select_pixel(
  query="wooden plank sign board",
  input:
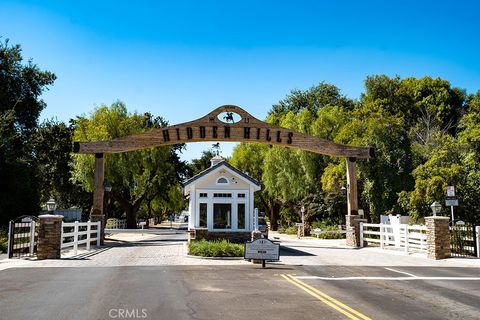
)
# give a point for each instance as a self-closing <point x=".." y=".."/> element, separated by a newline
<point x="262" y="249"/>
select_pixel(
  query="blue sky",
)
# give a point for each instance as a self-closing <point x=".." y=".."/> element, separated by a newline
<point x="181" y="59"/>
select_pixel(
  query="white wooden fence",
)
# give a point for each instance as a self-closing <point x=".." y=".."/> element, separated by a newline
<point x="82" y="233"/>
<point x="410" y="238"/>
<point x="114" y="223"/>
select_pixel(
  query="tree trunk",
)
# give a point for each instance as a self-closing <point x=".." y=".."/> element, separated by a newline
<point x="131" y="217"/>
<point x="149" y="214"/>
<point x="274" y="215"/>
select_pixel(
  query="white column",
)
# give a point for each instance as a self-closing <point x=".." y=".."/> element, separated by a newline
<point x="32" y="236"/>
<point x="381" y="236"/>
<point x="406" y="238"/>
<point x="75" y="238"/>
<point x="192" y="208"/>
<point x="477" y="231"/>
<point x="89" y="231"/>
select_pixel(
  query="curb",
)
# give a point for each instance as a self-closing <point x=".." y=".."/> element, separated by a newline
<point x="215" y="258"/>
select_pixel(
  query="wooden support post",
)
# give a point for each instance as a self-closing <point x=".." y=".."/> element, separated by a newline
<point x="352" y="219"/>
<point x="352" y="196"/>
<point x="97" y="210"/>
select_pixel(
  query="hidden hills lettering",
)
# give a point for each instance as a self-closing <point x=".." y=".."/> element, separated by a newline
<point x="183" y="134"/>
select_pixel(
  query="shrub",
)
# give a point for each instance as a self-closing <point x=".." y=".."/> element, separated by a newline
<point x="291" y="230"/>
<point x="288" y="230"/>
<point x="217" y="248"/>
<point x="3" y="240"/>
<point x="324" y="227"/>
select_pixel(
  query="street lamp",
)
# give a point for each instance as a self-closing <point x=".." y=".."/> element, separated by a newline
<point x="436" y="208"/>
<point x="107" y="186"/>
<point x="51" y="206"/>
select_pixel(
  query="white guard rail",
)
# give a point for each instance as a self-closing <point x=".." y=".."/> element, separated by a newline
<point x="84" y="236"/>
<point x="410" y="238"/>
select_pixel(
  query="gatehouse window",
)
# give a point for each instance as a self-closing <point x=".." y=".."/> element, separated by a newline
<point x="203" y="195"/>
<point x="222" y="216"/>
<point x="241" y="195"/>
<point x="202" y="223"/>
<point x="222" y="195"/>
<point x="222" y="180"/>
<point x="241" y="216"/>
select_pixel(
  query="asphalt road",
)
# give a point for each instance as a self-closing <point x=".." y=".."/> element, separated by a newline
<point x="239" y="292"/>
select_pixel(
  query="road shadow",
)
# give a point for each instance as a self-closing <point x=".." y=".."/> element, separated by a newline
<point x="290" y="252"/>
<point x="329" y="248"/>
<point x="143" y="243"/>
<point x="87" y="255"/>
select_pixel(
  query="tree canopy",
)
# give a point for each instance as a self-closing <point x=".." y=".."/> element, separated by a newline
<point x="136" y="177"/>
<point x="425" y="133"/>
<point x="21" y="85"/>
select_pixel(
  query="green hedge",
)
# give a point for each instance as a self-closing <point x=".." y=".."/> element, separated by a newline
<point x="324" y="227"/>
<point x="217" y="248"/>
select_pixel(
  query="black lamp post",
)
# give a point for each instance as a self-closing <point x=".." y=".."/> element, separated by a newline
<point x="436" y="208"/>
<point x="51" y="206"/>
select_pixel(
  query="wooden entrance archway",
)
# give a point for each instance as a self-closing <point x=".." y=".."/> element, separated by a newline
<point x="239" y="126"/>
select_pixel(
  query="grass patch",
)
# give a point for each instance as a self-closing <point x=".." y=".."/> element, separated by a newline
<point x="217" y="248"/>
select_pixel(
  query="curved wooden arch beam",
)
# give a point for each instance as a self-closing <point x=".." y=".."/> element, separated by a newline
<point x="211" y="128"/>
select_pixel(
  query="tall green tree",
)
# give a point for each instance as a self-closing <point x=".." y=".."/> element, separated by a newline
<point x="250" y="158"/>
<point x="135" y="176"/>
<point x="292" y="177"/>
<point x="198" y="165"/>
<point x="52" y="143"/>
<point x="21" y="85"/>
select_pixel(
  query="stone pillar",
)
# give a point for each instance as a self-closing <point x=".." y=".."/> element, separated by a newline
<point x="49" y="237"/>
<point x="256" y="235"/>
<point x="353" y="222"/>
<point x="438" y="237"/>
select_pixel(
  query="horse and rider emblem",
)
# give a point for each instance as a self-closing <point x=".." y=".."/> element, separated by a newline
<point x="229" y="117"/>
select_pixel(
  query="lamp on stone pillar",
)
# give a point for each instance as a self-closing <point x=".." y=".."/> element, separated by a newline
<point x="436" y="208"/>
<point x="51" y="206"/>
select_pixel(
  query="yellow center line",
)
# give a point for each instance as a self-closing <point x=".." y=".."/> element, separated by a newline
<point x="325" y="298"/>
<point x="331" y="299"/>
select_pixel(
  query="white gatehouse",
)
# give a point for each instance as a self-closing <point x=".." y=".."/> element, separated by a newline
<point x="221" y="202"/>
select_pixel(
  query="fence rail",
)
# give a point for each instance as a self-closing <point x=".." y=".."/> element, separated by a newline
<point x="410" y="238"/>
<point x="81" y="234"/>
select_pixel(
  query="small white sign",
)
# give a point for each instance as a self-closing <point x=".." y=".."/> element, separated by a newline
<point x="451" y="202"/>
<point x="262" y="249"/>
<point x="450" y="191"/>
<point x="317" y="231"/>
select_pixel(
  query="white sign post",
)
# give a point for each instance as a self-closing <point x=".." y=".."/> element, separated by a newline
<point x="450" y="191"/>
<point x="262" y="249"/>
<point x="302" y="210"/>
<point x="451" y="201"/>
